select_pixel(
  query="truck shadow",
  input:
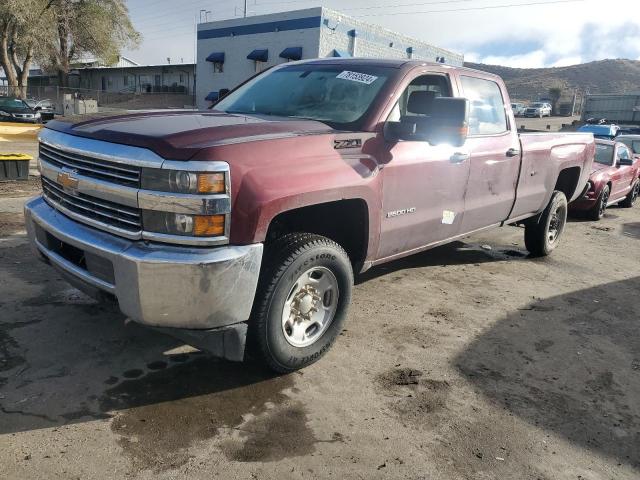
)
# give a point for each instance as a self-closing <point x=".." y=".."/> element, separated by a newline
<point x="66" y="359"/>
<point x="631" y="230"/>
<point x="455" y="253"/>
<point x="569" y="364"/>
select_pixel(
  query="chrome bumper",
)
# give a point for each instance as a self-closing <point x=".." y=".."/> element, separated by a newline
<point x="155" y="284"/>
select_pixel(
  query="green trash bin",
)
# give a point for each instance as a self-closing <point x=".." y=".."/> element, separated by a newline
<point x="14" y="166"/>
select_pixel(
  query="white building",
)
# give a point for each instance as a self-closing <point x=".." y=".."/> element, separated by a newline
<point x="230" y="51"/>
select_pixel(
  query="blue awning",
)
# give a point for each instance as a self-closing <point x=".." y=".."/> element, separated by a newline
<point x="259" y="55"/>
<point x="291" y="53"/>
<point x="340" y="53"/>
<point x="212" y="96"/>
<point x="216" y="57"/>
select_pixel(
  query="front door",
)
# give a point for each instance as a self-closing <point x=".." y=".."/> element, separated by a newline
<point x="423" y="185"/>
<point x="622" y="179"/>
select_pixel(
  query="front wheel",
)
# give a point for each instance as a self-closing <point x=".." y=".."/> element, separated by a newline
<point x="599" y="209"/>
<point x="632" y="196"/>
<point x="302" y="301"/>
<point x="543" y="236"/>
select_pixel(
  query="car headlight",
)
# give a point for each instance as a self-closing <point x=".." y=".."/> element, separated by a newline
<point x="183" y="224"/>
<point x="2" y="112"/>
<point x="179" y="181"/>
<point x="36" y="115"/>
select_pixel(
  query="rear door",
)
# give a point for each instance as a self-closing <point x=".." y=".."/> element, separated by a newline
<point x="423" y="185"/>
<point x="495" y="154"/>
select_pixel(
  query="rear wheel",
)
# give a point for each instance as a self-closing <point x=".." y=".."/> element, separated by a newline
<point x="302" y="301"/>
<point x="599" y="209"/>
<point x="543" y="236"/>
<point x="632" y="196"/>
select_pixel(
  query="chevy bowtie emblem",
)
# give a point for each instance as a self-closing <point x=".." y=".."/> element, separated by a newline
<point x="68" y="182"/>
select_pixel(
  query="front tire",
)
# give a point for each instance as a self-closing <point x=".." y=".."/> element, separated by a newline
<point x="599" y="209"/>
<point x="302" y="300"/>
<point x="542" y="237"/>
<point x="632" y="196"/>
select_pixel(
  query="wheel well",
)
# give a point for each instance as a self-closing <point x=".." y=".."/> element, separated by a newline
<point x="346" y="222"/>
<point x="568" y="181"/>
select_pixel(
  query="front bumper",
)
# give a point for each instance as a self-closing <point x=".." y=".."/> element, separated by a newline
<point x="154" y="284"/>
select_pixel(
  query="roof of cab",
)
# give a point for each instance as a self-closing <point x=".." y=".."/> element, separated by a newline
<point x="388" y="62"/>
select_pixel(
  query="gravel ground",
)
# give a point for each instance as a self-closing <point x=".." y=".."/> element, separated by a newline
<point x="470" y="361"/>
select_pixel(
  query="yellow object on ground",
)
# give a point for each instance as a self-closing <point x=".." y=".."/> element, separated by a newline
<point x="14" y="156"/>
<point x="10" y="131"/>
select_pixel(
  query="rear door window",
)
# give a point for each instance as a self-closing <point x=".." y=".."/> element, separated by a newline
<point x="487" y="115"/>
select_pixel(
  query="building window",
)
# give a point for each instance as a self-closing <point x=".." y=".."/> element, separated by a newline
<point x="181" y="78"/>
<point x="218" y="67"/>
<point x="125" y="80"/>
<point x="156" y="80"/>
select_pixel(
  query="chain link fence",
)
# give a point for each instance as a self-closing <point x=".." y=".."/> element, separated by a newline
<point x="107" y="101"/>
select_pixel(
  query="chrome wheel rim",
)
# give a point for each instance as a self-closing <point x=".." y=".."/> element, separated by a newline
<point x="603" y="203"/>
<point x="310" y="307"/>
<point x="556" y="224"/>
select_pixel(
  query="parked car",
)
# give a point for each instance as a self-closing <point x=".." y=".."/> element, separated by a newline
<point x="632" y="142"/>
<point x="518" y="109"/>
<point x="628" y="130"/>
<point x="250" y="219"/>
<point x="538" y="109"/>
<point x="614" y="180"/>
<point x="601" y="131"/>
<point x="17" y="110"/>
<point x="45" y="107"/>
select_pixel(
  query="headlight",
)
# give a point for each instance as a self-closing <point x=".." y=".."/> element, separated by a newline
<point x="178" y="181"/>
<point x="183" y="224"/>
<point x="37" y="115"/>
<point x="2" y="112"/>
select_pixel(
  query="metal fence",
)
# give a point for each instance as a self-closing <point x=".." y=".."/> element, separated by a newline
<point x="107" y="100"/>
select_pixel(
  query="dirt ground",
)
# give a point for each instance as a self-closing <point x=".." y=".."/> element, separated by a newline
<point x="470" y="361"/>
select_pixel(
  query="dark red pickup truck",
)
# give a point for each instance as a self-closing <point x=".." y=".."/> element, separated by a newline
<point x="247" y="222"/>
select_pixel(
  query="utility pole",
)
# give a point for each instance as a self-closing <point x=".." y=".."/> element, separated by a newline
<point x="245" y="8"/>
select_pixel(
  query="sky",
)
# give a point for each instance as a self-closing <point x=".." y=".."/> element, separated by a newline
<point x="531" y="34"/>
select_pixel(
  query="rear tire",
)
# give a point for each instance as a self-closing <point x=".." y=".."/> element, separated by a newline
<point x="599" y="209"/>
<point x="301" y="303"/>
<point x="543" y="236"/>
<point x="632" y="196"/>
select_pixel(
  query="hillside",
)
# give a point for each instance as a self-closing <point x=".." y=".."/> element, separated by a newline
<point x="604" y="76"/>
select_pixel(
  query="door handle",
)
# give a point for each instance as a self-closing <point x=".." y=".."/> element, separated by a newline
<point x="459" y="157"/>
<point x="513" y="152"/>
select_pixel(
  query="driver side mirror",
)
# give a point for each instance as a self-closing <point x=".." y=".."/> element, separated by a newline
<point x="625" y="162"/>
<point x="444" y="120"/>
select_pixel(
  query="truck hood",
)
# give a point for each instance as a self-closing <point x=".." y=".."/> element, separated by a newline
<point x="598" y="167"/>
<point x="180" y="135"/>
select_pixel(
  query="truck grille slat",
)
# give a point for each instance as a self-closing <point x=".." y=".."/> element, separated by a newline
<point x="92" y="167"/>
<point x="93" y="208"/>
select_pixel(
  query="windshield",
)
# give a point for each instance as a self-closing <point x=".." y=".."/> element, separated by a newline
<point x="338" y="95"/>
<point x="604" y="154"/>
<point x="538" y="105"/>
<point x="11" y="103"/>
<point x="632" y="143"/>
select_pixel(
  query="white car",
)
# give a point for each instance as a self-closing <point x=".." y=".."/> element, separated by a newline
<point x="538" y="109"/>
<point x="518" y="109"/>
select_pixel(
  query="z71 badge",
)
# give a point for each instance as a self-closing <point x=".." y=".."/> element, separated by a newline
<point x="347" y="143"/>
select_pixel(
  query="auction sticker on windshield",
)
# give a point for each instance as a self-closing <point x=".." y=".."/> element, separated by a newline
<point x="357" y="77"/>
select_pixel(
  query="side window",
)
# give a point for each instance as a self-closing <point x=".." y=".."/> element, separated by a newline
<point x="486" y="113"/>
<point x="623" y="153"/>
<point x="417" y="97"/>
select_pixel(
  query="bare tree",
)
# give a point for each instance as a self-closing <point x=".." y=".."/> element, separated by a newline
<point x="101" y="28"/>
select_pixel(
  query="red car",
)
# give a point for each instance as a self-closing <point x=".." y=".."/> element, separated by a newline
<point x="614" y="179"/>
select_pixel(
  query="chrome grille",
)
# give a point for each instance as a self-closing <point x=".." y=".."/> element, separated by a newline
<point x="92" y="167"/>
<point x="103" y="211"/>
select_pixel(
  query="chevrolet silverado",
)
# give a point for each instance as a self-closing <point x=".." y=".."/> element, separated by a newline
<point x="243" y="225"/>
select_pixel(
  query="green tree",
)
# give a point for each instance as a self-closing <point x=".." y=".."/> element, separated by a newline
<point x="100" y="28"/>
<point x="23" y="32"/>
<point x="555" y="93"/>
